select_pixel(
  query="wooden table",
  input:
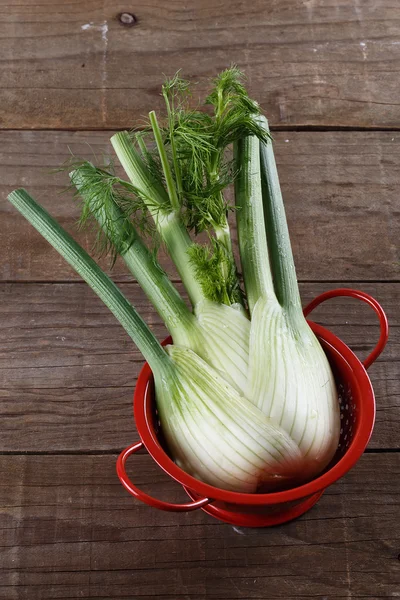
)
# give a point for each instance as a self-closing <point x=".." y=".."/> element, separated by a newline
<point x="327" y="74"/>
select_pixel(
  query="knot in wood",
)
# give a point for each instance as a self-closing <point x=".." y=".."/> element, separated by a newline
<point x="127" y="19"/>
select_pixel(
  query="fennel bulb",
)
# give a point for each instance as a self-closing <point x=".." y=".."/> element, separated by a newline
<point x="291" y="382"/>
<point x="245" y="394"/>
<point x="216" y="434"/>
<point x="289" y="377"/>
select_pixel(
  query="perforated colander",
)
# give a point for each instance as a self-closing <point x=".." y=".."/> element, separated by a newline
<point x="357" y="411"/>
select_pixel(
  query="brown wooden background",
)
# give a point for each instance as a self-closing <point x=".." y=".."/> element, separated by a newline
<point x="327" y="74"/>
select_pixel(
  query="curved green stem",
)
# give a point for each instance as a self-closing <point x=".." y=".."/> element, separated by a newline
<point x="178" y="178"/>
<point x="250" y="222"/>
<point x="222" y="234"/>
<point x="178" y="242"/>
<point x="100" y="283"/>
<point x="280" y="249"/>
<point x="140" y="261"/>
<point x="167" y="221"/>
<point x="175" y="203"/>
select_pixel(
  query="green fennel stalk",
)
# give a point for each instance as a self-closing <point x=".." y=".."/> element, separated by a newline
<point x="88" y="269"/>
<point x="254" y="254"/>
<point x="167" y="221"/>
<point x="280" y="249"/>
<point x="140" y="261"/>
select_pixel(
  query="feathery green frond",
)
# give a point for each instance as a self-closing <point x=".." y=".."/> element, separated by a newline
<point x="100" y="190"/>
<point x="148" y="150"/>
<point x="206" y="206"/>
<point x="176" y="90"/>
<point x="233" y="109"/>
<point x="207" y="261"/>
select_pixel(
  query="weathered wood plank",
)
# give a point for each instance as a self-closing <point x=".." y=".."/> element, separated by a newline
<point x="321" y="63"/>
<point x="69" y="530"/>
<point x="340" y="189"/>
<point x="67" y="369"/>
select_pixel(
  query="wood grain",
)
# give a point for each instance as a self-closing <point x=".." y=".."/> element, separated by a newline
<point x="340" y="190"/>
<point x="314" y="62"/>
<point x="68" y="370"/>
<point x="69" y="530"/>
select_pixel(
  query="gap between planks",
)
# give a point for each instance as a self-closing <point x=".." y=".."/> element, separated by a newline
<point x="176" y="280"/>
<point x="117" y="451"/>
<point x="277" y="128"/>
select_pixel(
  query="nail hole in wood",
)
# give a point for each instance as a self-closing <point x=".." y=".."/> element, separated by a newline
<point x="127" y="19"/>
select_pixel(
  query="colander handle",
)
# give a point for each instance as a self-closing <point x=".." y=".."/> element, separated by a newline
<point x="137" y="493"/>
<point x="383" y="322"/>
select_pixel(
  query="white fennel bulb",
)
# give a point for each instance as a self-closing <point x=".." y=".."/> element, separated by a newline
<point x="218" y="435"/>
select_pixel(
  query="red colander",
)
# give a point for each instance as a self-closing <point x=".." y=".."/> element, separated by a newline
<point x="357" y="412"/>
